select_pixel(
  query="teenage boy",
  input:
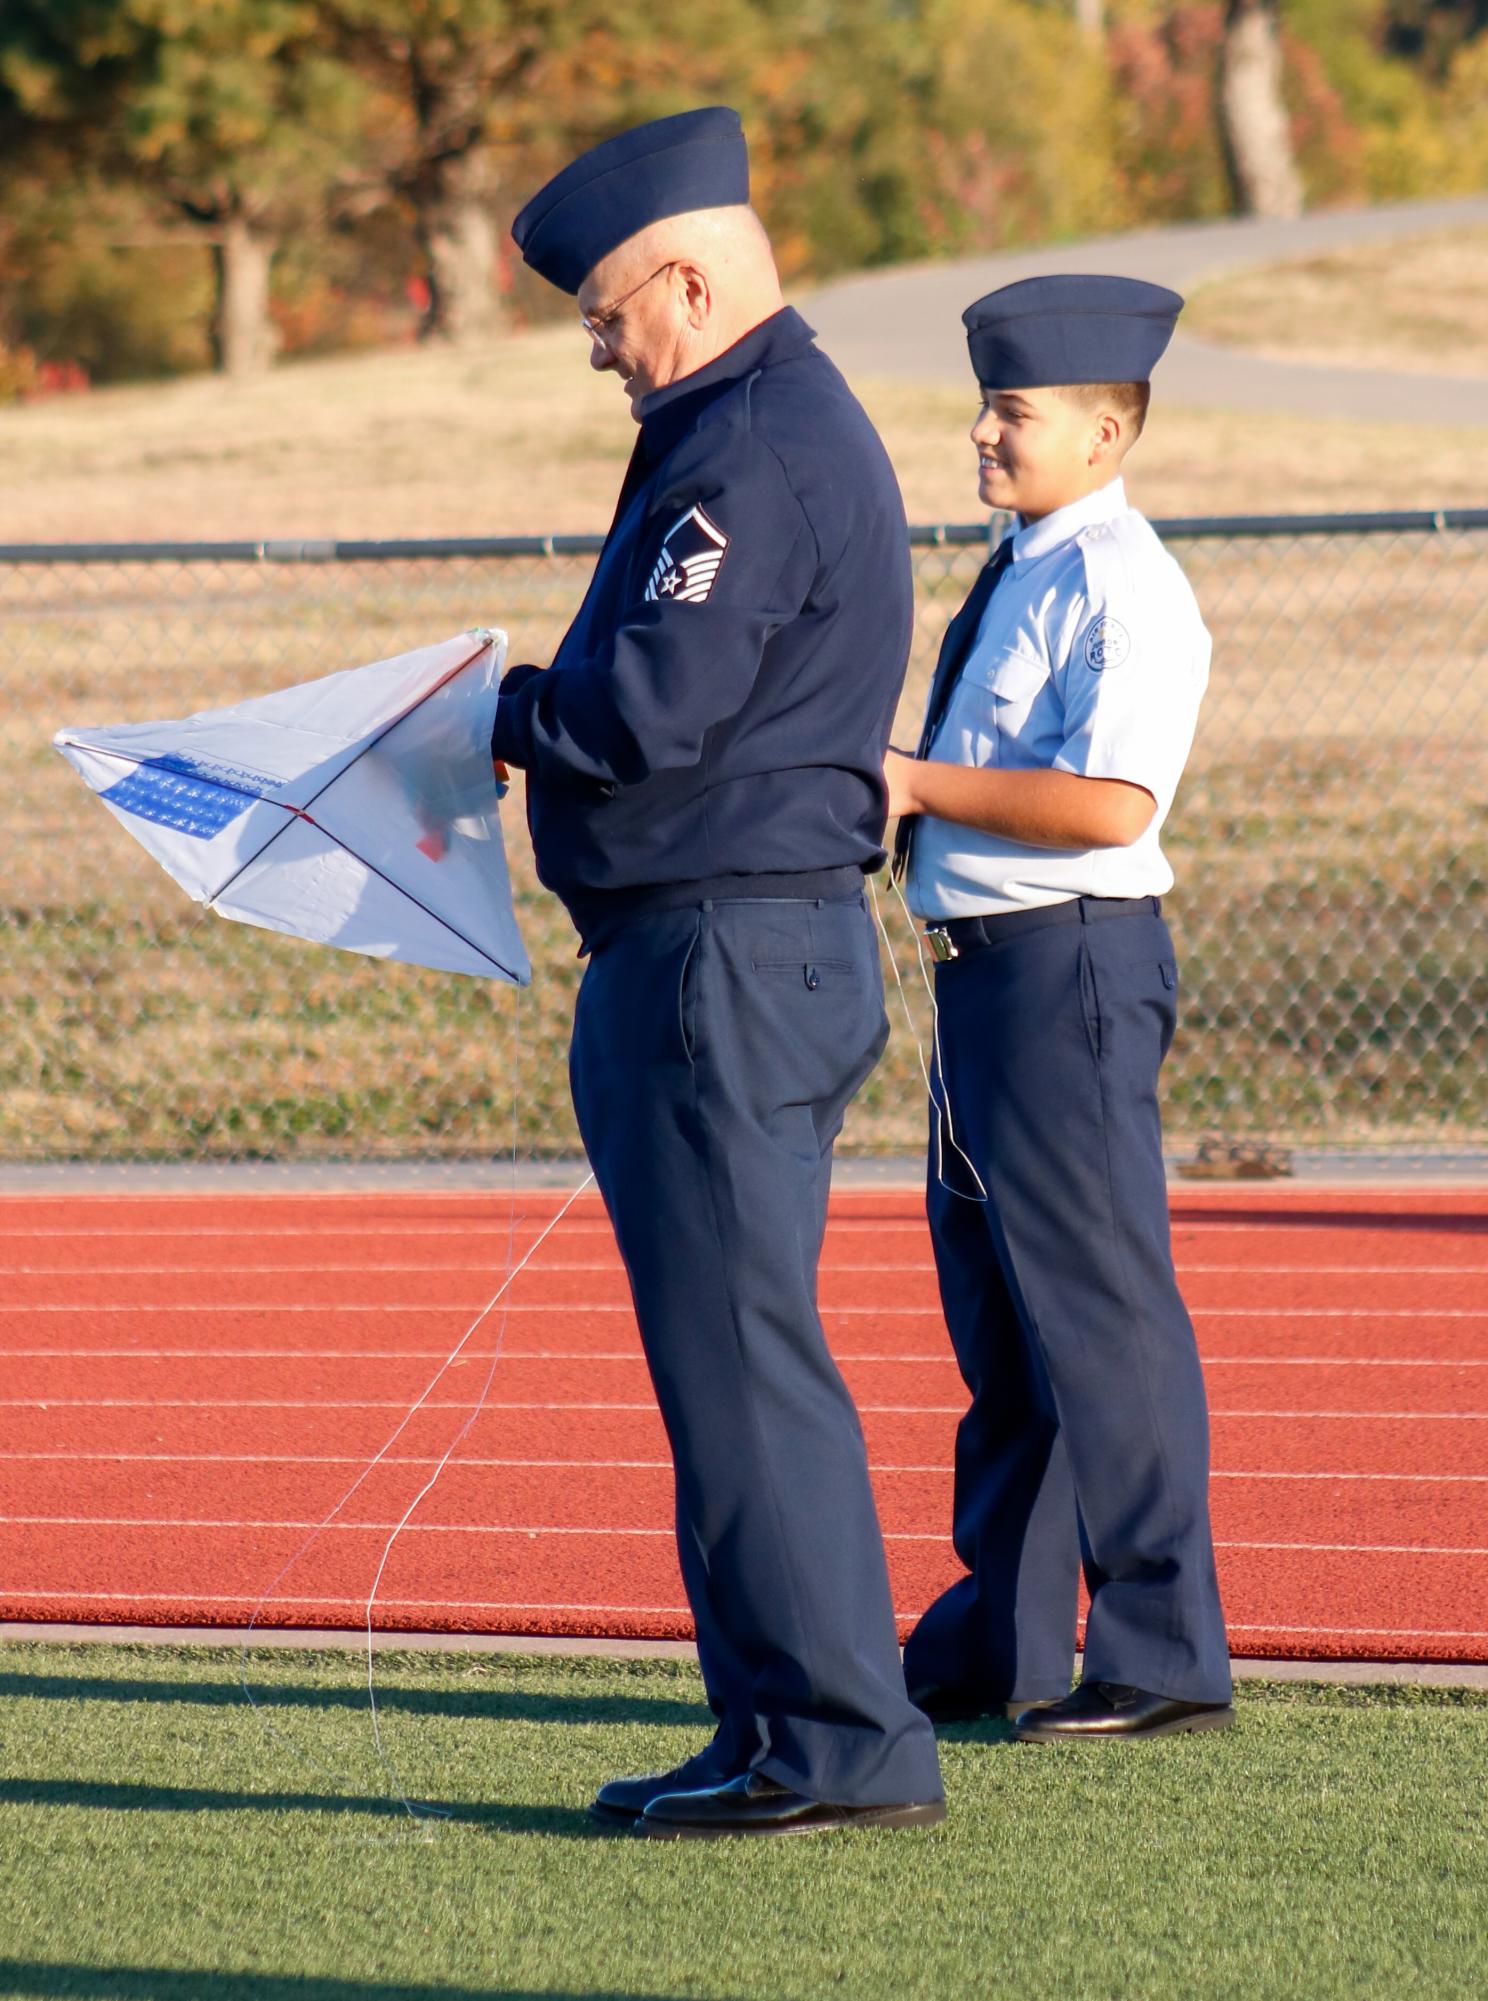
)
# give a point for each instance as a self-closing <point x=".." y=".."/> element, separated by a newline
<point x="1061" y="712"/>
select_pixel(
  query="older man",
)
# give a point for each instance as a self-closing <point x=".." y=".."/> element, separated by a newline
<point x="703" y="762"/>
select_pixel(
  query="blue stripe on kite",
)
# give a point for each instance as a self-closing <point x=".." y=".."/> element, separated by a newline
<point x="193" y="806"/>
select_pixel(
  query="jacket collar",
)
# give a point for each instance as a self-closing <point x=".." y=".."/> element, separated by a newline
<point x="667" y="414"/>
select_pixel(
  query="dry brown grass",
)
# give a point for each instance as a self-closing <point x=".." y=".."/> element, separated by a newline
<point x="1333" y="793"/>
<point x="1418" y="304"/>
<point x="523" y="438"/>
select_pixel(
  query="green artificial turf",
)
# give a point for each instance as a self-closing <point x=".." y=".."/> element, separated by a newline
<point x="156" y="1840"/>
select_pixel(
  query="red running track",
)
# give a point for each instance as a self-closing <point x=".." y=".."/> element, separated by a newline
<point x="193" y="1382"/>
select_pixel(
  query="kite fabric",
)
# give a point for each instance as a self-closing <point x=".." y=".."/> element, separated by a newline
<point x="359" y="810"/>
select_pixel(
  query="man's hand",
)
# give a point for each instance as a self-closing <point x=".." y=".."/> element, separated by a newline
<point x="899" y="775"/>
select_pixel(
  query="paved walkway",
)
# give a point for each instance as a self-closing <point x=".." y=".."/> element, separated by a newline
<point x="906" y="322"/>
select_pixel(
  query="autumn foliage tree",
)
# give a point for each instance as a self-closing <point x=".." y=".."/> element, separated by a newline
<point x="378" y="140"/>
<point x="228" y="111"/>
<point x="447" y="81"/>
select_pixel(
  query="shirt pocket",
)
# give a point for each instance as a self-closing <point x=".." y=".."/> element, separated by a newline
<point x="1005" y="686"/>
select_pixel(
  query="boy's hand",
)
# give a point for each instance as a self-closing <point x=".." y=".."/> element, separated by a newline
<point x="900" y="772"/>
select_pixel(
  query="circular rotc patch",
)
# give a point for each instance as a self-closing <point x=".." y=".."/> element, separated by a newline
<point x="1107" y="644"/>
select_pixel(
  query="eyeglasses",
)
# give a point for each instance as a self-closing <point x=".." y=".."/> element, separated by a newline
<point x="597" y="325"/>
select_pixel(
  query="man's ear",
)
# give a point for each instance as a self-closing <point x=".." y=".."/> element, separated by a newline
<point x="698" y="293"/>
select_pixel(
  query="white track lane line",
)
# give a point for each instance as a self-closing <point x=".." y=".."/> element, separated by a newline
<point x="1362" y="1632"/>
<point x="614" y="1268"/>
<point x="941" y="1470"/>
<point x="533" y="1531"/>
<point x="868" y="1409"/>
<point x="384" y="1604"/>
<point x="944" y="1359"/>
<point x="1288" y="1313"/>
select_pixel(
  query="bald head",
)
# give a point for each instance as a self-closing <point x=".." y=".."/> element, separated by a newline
<point x="677" y="294"/>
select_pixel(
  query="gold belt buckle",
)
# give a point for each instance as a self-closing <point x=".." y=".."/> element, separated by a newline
<point x="943" y="947"/>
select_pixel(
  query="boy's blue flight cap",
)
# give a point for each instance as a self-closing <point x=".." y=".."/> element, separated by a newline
<point x="1042" y="332"/>
<point x="672" y="166"/>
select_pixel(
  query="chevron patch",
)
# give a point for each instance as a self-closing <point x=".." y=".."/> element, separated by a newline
<point x="692" y="553"/>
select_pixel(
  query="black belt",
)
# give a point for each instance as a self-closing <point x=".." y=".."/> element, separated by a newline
<point x="597" y="914"/>
<point x="949" y="937"/>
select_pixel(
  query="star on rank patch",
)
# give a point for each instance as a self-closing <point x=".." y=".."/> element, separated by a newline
<point x="692" y="552"/>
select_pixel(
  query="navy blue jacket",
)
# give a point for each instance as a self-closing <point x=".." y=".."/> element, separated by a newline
<point x="721" y="704"/>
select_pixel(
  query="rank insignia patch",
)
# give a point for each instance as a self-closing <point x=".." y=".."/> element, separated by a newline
<point x="691" y="554"/>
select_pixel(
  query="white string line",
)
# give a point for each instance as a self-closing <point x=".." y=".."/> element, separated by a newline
<point x="950" y="1131"/>
<point x="511" y="1273"/>
<point x="377" y="1457"/>
<point x="944" y="1127"/>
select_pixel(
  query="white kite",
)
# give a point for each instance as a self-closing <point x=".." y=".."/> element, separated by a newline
<point x="359" y="810"/>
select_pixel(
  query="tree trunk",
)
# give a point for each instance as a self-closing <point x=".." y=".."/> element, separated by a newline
<point x="243" y="333"/>
<point x="1258" y="140"/>
<point x="1090" y="18"/>
<point x="457" y="233"/>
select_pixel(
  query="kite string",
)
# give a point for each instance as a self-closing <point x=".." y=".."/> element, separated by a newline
<point x="326" y="1520"/>
<point x="945" y="1129"/>
<point x="460" y="1435"/>
<point x="382" y="1451"/>
<point x="428" y="1487"/>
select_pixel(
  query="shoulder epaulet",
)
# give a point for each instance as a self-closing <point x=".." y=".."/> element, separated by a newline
<point x="1110" y="558"/>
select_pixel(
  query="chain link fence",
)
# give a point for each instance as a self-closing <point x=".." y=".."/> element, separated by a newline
<point x="1330" y="841"/>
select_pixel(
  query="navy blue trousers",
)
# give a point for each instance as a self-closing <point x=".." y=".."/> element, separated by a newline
<point x="1087" y="1438"/>
<point x="715" y="1050"/>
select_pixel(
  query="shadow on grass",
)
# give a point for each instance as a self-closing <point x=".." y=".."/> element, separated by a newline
<point x="473" y="1703"/>
<point x="110" y="1796"/>
<point x="160" y="1983"/>
<point x="988" y="1730"/>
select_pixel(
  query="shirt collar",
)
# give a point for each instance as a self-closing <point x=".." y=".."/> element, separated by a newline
<point x="667" y="413"/>
<point x="1037" y="538"/>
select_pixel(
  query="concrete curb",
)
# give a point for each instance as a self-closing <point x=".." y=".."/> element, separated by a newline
<point x="891" y="1173"/>
<point x="1405" y="1674"/>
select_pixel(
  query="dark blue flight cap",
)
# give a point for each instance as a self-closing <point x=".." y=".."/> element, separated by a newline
<point x="670" y="167"/>
<point x="1044" y="331"/>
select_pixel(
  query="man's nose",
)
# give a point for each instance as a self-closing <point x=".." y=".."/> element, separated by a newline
<point x="600" y="357"/>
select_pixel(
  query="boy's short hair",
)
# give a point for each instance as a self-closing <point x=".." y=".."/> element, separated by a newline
<point x="1129" y="400"/>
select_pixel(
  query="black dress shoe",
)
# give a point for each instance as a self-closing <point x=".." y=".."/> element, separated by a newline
<point x="1102" y="1709"/>
<point x="945" y="1704"/>
<point x="753" y="1804"/>
<point x="621" y="1802"/>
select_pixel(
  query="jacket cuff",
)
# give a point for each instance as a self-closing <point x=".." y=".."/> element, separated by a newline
<point x="512" y="729"/>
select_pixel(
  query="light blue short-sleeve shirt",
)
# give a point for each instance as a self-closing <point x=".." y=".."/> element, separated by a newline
<point x="1091" y="657"/>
